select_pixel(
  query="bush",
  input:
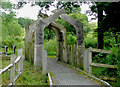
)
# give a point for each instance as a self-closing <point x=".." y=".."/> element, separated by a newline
<point x="71" y="39"/>
<point x="50" y="46"/>
<point x="90" y="42"/>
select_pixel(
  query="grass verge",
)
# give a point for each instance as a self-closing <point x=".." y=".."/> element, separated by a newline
<point x="28" y="76"/>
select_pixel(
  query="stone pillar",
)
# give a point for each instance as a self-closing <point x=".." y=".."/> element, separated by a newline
<point x="58" y="50"/>
<point x="38" y="51"/>
<point x="71" y="56"/>
<point x="81" y="50"/>
<point x="65" y="59"/>
<point x="86" y="61"/>
<point x="75" y="56"/>
<point x="44" y="62"/>
<point x="68" y="53"/>
<point x="39" y="45"/>
<point x="32" y="50"/>
<point x="26" y="42"/>
<point x="61" y="52"/>
<point x="61" y="47"/>
<point x="80" y="44"/>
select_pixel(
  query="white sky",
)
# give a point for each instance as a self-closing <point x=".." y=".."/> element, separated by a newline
<point x="31" y="12"/>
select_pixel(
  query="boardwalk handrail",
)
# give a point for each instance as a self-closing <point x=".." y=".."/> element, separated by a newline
<point x="89" y="63"/>
<point x="11" y="66"/>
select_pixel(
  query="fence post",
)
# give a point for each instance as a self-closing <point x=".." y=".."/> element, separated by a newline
<point x="75" y="55"/>
<point x="12" y="70"/>
<point x="72" y="54"/>
<point x="90" y="59"/>
<point x="20" y="63"/>
<point x="86" y="61"/>
<point x="68" y="54"/>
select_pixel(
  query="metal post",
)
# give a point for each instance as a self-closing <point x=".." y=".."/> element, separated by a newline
<point x="6" y="49"/>
<point x="14" y="47"/>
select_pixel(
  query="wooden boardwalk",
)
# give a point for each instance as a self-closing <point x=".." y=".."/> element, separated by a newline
<point x="65" y="75"/>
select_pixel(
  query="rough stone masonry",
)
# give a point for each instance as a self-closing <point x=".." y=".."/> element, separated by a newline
<point x="34" y="39"/>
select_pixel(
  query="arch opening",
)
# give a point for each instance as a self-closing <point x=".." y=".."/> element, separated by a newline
<point x="39" y="27"/>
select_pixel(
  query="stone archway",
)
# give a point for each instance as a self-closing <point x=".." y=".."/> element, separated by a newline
<point x="38" y="28"/>
<point x="61" y="37"/>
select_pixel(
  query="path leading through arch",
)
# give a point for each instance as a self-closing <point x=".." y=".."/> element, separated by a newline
<point x="66" y="75"/>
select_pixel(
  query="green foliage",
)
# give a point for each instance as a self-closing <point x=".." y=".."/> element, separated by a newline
<point x="12" y="33"/>
<point x="28" y="76"/>
<point x="90" y="40"/>
<point x="50" y="46"/>
<point x="7" y="5"/>
<point x="48" y="34"/>
<point x="71" y="39"/>
<point x="97" y="71"/>
<point x="79" y="16"/>
<point x="118" y="66"/>
<point x="93" y="26"/>
<point x="24" y="22"/>
<point x="83" y="18"/>
<point x="68" y="26"/>
<point x="70" y="7"/>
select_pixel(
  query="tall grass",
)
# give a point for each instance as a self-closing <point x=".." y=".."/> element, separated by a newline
<point x="90" y="40"/>
<point x="51" y="46"/>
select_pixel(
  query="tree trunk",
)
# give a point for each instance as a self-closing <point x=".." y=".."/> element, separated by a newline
<point x="100" y="43"/>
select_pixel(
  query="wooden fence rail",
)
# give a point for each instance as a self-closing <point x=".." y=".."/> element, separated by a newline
<point x="11" y="66"/>
<point x="88" y="60"/>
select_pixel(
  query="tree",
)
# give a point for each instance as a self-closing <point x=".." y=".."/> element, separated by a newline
<point x="100" y="32"/>
<point x="12" y="33"/>
<point x="76" y="15"/>
<point x="111" y="20"/>
<point x="69" y="6"/>
<point x="48" y="34"/>
<point x="24" y="22"/>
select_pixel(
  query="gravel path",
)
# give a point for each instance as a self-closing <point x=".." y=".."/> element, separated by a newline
<point x="65" y="75"/>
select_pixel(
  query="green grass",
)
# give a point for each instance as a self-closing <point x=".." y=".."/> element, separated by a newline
<point x="51" y="47"/>
<point x="51" y="56"/>
<point x="28" y="76"/>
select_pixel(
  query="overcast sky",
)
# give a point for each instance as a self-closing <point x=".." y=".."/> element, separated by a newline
<point x="31" y="12"/>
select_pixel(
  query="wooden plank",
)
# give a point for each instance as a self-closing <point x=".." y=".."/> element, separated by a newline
<point x="103" y="65"/>
<point x="17" y="76"/>
<point x="17" y="59"/>
<point x="12" y="70"/>
<point x="6" y="68"/>
<point x="20" y="63"/>
<point x="99" y="50"/>
<point x="10" y="65"/>
<point x="5" y="57"/>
